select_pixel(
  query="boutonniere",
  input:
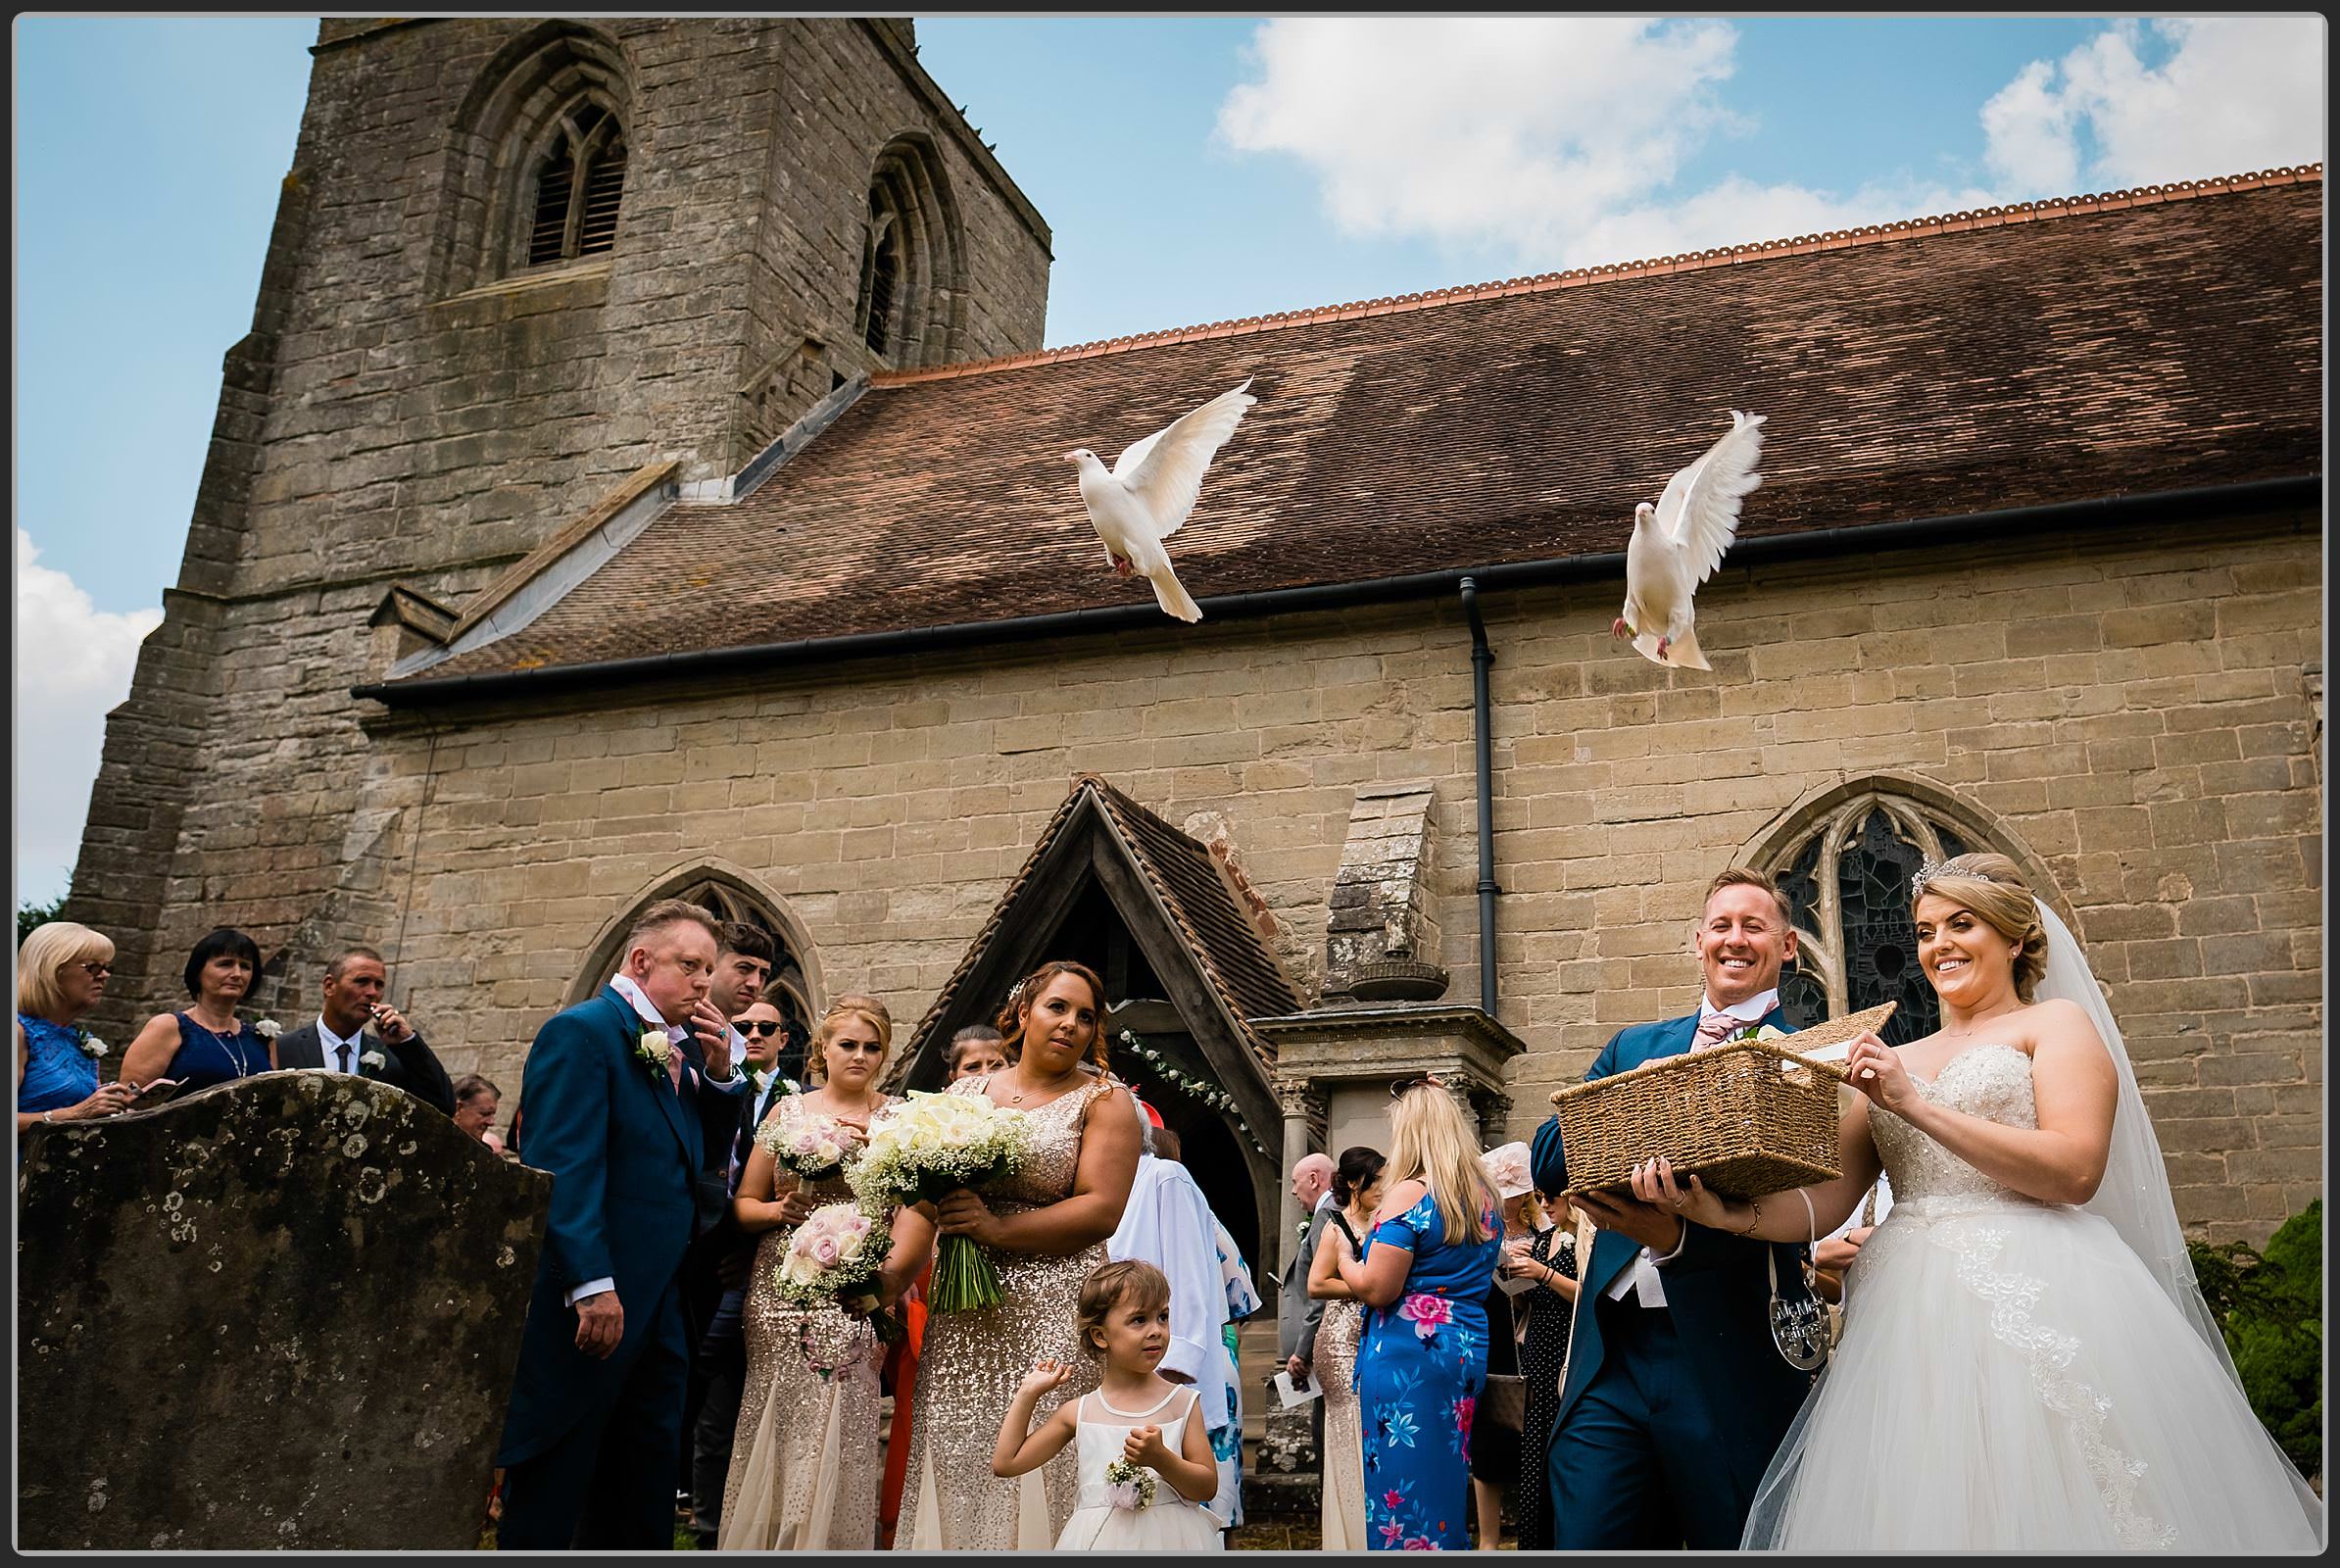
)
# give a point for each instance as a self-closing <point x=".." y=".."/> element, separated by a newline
<point x="655" y="1047"/>
<point x="373" y="1058"/>
<point x="267" y="1028"/>
<point x="1761" y="1032"/>
<point x="91" y="1046"/>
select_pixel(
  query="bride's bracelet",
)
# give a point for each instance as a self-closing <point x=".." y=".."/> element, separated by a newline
<point x="1754" y="1217"/>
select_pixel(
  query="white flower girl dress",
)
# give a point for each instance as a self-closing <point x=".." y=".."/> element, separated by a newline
<point x="1169" y="1523"/>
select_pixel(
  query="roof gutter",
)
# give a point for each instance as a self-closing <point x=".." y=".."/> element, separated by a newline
<point x="2199" y="503"/>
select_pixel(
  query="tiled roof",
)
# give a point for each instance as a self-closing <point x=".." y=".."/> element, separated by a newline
<point x="2159" y="340"/>
<point x="1235" y="959"/>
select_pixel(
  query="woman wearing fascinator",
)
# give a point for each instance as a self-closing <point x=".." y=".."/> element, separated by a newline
<point x="2032" y="1366"/>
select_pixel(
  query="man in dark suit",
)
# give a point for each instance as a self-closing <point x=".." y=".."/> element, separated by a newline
<point x="1675" y="1396"/>
<point x="715" y="1261"/>
<point x="357" y="1032"/>
<point x="619" y="1099"/>
<point x="719" y="1364"/>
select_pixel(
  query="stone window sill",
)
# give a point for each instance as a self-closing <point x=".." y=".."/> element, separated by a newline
<point x="584" y="271"/>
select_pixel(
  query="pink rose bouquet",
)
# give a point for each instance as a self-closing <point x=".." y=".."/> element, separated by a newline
<point x="803" y="1140"/>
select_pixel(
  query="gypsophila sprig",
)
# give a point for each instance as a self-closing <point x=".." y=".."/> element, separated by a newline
<point x="926" y="1144"/>
<point x="1129" y="1486"/>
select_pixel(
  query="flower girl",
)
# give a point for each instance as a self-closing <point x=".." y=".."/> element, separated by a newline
<point x="1145" y="1467"/>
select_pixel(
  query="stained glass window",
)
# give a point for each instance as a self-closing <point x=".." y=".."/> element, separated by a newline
<point x="1847" y="882"/>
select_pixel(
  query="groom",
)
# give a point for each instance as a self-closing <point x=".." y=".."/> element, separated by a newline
<point x="619" y="1099"/>
<point x="1675" y="1396"/>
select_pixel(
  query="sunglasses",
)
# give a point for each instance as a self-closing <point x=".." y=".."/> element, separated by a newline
<point x="94" y="968"/>
<point x="1401" y="1088"/>
<point x="760" y="1027"/>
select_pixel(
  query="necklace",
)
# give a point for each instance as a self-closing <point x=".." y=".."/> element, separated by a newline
<point x="229" y="1044"/>
<point x="1017" y="1098"/>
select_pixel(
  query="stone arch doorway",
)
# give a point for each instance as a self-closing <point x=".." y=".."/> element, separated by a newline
<point x="1116" y="887"/>
<point x="727" y="895"/>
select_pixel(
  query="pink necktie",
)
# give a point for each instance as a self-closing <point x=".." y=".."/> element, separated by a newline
<point x="675" y="1068"/>
<point x="1713" y="1028"/>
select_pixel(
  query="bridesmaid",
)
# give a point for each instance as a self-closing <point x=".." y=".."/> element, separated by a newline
<point x="1045" y="1228"/>
<point x="1429" y="1261"/>
<point x="807" y="1458"/>
<point x="1356" y="1189"/>
<point x="207" y="1044"/>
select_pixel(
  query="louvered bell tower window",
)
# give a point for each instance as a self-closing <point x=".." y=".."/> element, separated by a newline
<point x="578" y="187"/>
<point x="881" y="281"/>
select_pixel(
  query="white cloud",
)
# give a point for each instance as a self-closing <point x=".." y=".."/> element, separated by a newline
<point x="2237" y="94"/>
<point x="1559" y="141"/>
<point x="73" y="662"/>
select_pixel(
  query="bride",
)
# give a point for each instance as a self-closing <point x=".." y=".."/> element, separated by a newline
<point x="2026" y="1361"/>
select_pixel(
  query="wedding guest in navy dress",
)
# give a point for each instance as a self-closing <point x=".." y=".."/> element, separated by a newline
<point x="1423" y="1278"/>
<point x="60" y="974"/>
<point x="205" y="1044"/>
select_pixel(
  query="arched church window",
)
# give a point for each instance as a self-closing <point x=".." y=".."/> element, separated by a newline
<point x="1847" y="880"/>
<point x="912" y="303"/>
<point x="580" y="179"/>
<point x="787" y="990"/>
<point x="881" y="276"/>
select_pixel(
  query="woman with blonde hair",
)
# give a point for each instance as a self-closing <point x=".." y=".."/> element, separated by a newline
<point x="2032" y="1367"/>
<point x="806" y="1458"/>
<point x="1427" y="1267"/>
<point x="60" y="974"/>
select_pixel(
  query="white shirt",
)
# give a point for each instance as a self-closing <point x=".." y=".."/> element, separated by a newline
<point x="624" y="986"/>
<point x="1168" y="1223"/>
<point x="332" y="1042"/>
<point x="1642" y="1277"/>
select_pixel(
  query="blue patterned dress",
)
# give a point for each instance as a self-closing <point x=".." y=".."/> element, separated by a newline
<point x="58" y="1072"/>
<point x="1420" y="1367"/>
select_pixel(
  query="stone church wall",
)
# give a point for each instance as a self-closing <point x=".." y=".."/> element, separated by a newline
<point x="392" y="418"/>
<point x="2136" y="712"/>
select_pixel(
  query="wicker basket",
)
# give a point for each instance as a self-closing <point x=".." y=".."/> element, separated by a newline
<point x="1750" y="1117"/>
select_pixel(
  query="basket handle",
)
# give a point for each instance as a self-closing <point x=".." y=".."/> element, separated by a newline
<point x="1769" y="1047"/>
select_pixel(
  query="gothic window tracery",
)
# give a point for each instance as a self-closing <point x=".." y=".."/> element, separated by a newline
<point x="581" y="183"/>
<point x="1847" y="880"/>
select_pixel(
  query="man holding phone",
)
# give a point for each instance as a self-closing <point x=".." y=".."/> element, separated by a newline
<point x="356" y="1031"/>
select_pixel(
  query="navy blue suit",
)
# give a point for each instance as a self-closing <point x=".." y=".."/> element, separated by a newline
<point x="1670" y="1415"/>
<point x="589" y="1444"/>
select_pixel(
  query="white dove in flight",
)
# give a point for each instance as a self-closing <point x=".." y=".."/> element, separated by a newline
<point x="1679" y="543"/>
<point x="1152" y="489"/>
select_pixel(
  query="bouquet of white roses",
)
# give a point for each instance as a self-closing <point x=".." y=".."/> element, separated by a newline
<point x="929" y="1144"/>
<point x="833" y="1260"/>
<point x="1129" y="1486"/>
<point x="803" y="1140"/>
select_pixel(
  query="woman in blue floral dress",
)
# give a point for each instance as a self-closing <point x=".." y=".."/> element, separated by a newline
<point x="1423" y="1278"/>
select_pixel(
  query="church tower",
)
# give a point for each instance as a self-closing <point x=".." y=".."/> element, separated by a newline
<point x="521" y="269"/>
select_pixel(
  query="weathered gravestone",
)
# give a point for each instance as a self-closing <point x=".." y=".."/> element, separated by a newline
<point x="284" y="1312"/>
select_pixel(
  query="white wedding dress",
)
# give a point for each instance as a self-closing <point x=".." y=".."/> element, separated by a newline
<point x="2013" y="1375"/>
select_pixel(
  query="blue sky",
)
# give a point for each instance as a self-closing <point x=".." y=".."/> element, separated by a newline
<point x="1192" y="169"/>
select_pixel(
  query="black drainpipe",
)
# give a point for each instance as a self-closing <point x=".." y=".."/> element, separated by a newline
<point x="1482" y="732"/>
